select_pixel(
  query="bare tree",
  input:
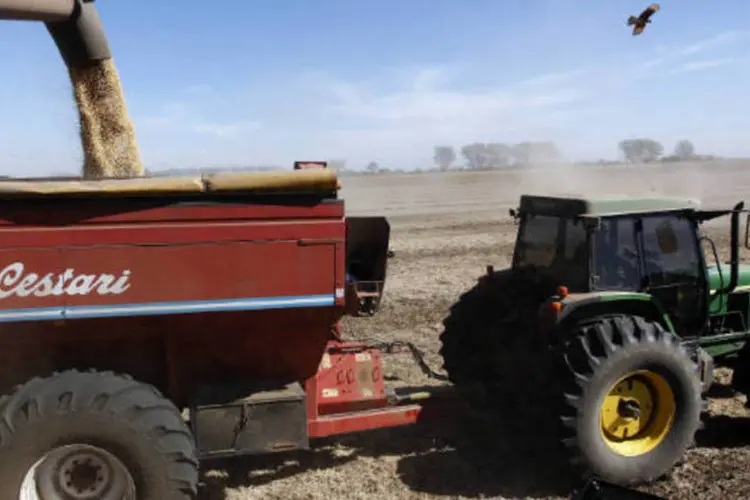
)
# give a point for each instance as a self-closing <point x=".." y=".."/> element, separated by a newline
<point x="684" y="150"/>
<point x="444" y="157"/>
<point x="476" y="155"/>
<point x="641" y="150"/>
<point x="498" y="154"/>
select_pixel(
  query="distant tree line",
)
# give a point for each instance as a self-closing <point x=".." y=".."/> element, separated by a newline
<point x="644" y="150"/>
<point x="480" y="155"/>
<point x="495" y="155"/>
<point x="499" y="155"/>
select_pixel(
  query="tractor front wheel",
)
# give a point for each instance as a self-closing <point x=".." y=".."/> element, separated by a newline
<point x="632" y="400"/>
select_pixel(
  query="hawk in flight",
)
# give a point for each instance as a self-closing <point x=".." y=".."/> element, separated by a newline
<point x="639" y="23"/>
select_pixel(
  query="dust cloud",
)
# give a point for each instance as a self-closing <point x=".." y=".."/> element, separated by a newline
<point x="718" y="184"/>
<point x="614" y="180"/>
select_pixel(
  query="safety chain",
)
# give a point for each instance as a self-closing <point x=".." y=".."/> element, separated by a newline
<point x="398" y="347"/>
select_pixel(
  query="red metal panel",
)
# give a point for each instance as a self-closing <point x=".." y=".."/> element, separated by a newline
<point x="175" y="254"/>
<point x="203" y="272"/>
<point x="347" y="394"/>
<point x="162" y="233"/>
<point x="364" y="421"/>
<point x="14" y="271"/>
<point x="300" y="165"/>
<point x="112" y="211"/>
<point x="94" y="276"/>
<point x="256" y="345"/>
<point x="174" y="352"/>
<point x="349" y="381"/>
<point x="340" y="274"/>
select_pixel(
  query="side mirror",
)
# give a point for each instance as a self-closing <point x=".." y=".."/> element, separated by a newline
<point x="514" y="215"/>
<point x="747" y="232"/>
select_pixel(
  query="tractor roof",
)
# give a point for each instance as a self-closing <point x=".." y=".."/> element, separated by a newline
<point x="570" y="205"/>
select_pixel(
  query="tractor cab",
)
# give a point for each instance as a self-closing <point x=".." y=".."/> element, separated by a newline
<point x="649" y="246"/>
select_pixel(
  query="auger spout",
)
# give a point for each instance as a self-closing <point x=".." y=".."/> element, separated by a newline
<point x="74" y="25"/>
<point x="107" y="134"/>
<point x="80" y="38"/>
<point x="37" y="10"/>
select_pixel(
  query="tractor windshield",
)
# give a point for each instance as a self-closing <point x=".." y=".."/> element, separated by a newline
<point x="554" y="246"/>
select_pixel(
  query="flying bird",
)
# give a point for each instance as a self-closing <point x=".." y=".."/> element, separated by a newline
<point x="639" y="23"/>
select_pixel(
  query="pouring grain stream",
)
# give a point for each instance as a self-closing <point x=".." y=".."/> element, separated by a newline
<point x="107" y="135"/>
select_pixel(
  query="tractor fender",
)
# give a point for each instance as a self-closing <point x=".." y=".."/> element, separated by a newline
<point x="577" y="308"/>
<point x="581" y="306"/>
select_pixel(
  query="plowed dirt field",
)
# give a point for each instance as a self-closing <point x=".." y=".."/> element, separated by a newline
<point x="445" y="229"/>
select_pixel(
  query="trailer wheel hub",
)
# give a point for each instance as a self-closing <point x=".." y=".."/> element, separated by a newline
<point x="83" y="473"/>
<point x="637" y="413"/>
<point x="78" y="472"/>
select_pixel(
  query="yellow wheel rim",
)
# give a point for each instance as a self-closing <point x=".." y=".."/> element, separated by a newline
<point x="637" y="413"/>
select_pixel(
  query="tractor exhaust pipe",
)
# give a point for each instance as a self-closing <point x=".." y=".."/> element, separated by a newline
<point x="735" y="248"/>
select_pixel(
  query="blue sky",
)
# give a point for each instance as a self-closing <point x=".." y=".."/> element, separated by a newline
<point x="266" y="82"/>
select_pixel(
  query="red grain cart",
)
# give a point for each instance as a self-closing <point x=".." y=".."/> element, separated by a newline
<point x="124" y="303"/>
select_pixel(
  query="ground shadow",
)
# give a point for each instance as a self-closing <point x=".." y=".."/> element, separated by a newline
<point x="721" y="391"/>
<point x="467" y="454"/>
<point x="723" y="431"/>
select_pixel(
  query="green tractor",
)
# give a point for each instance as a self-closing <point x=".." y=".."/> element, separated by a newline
<point x="617" y="310"/>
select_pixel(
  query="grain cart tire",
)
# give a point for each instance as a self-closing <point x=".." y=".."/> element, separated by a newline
<point x="85" y="436"/>
<point x="632" y="400"/>
<point x="489" y="340"/>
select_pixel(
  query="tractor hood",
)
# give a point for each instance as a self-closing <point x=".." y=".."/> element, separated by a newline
<point x="715" y="282"/>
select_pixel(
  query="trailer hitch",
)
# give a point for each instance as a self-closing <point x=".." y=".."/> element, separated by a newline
<point x="396" y="347"/>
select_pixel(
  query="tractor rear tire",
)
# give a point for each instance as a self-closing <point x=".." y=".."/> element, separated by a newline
<point x="94" y="435"/>
<point x="632" y="401"/>
<point x="489" y="341"/>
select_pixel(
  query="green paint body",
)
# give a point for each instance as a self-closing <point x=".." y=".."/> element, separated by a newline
<point x="728" y="312"/>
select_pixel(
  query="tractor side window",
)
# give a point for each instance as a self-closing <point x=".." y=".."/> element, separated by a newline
<point x="673" y="270"/>
<point x="575" y="242"/>
<point x="537" y="243"/>
<point x="556" y="247"/>
<point x="670" y="251"/>
<point x="616" y="256"/>
<point x="575" y="273"/>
